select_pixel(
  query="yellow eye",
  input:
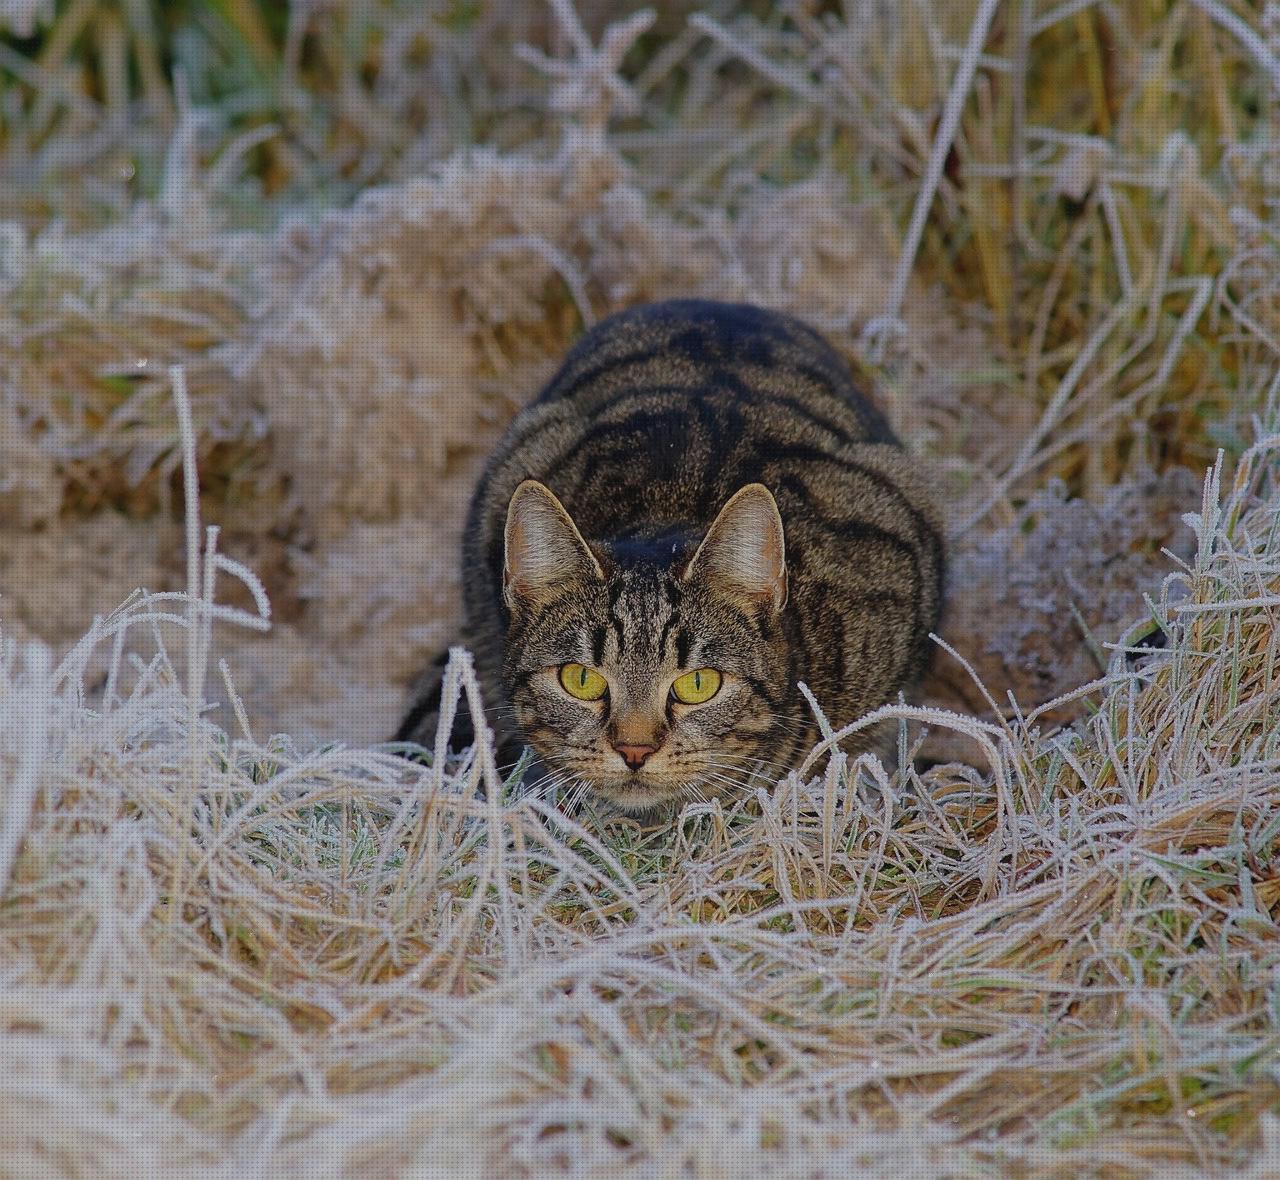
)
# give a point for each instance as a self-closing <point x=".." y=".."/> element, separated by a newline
<point x="582" y="682"/>
<point x="695" y="687"/>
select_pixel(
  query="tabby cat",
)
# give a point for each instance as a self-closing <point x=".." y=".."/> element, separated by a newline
<point x="699" y="511"/>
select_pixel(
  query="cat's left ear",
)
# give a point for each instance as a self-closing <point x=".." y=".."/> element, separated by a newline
<point x="544" y="549"/>
<point x="744" y="552"/>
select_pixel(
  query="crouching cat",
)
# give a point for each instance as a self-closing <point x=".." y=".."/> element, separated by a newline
<point x="697" y="512"/>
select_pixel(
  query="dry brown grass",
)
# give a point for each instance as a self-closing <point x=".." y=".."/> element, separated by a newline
<point x="228" y="952"/>
<point x="335" y="960"/>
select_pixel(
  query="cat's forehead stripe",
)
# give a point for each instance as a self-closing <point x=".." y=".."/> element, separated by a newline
<point x="616" y="619"/>
<point x="671" y="620"/>
<point x="638" y="618"/>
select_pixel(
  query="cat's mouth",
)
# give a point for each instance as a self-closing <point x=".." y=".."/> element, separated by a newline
<point x="639" y="790"/>
<point x="635" y="792"/>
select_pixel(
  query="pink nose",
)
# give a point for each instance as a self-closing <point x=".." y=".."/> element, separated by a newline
<point x="635" y="756"/>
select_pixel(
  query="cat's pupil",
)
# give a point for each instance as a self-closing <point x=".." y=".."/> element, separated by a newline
<point x="697" y="682"/>
<point x="582" y="678"/>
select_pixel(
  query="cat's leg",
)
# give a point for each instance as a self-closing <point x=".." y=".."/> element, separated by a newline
<point x="423" y="715"/>
<point x="422" y="718"/>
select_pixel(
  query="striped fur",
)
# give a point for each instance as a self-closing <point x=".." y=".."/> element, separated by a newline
<point x="656" y="419"/>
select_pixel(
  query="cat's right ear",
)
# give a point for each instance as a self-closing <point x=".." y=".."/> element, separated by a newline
<point x="544" y="549"/>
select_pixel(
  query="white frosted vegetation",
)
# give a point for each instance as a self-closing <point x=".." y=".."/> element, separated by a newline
<point x="220" y="950"/>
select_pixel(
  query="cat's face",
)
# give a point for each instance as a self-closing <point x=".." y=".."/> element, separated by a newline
<point x="643" y="674"/>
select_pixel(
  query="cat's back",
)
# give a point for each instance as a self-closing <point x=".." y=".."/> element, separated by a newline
<point x="659" y="412"/>
<point x="700" y="355"/>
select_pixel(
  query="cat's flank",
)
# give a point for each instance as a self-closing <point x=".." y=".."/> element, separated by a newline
<point x="699" y="511"/>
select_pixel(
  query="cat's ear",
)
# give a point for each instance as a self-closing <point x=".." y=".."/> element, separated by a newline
<point x="744" y="552"/>
<point x="544" y="549"/>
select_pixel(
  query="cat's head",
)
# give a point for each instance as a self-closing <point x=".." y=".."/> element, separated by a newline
<point x="647" y="670"/>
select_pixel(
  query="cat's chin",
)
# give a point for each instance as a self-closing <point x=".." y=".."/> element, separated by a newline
<point x="638" y="796"/>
